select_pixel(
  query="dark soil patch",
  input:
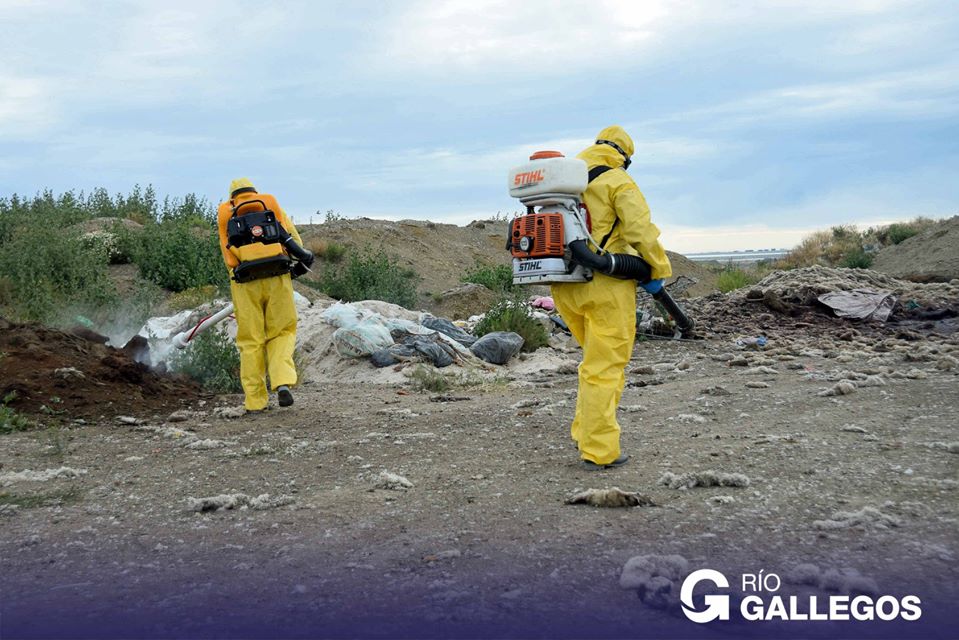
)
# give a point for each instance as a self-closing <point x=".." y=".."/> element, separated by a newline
<point x="48" y="370"/>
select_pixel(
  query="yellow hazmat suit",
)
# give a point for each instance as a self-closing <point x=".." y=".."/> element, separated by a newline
<point x="601" y="314"/>
<point x="264" y="309"/>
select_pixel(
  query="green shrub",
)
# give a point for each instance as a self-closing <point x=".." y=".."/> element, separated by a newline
<point x="896" y="233"/>
<point x="733" y="278"/>
<point x="857" y="259"/>
<point x="428" y="379"/>
<point x="511" y="313"/>
<point x="212" y="360"/>
<point x="494" y="277"/>
<point x="51" y="273"/>
<point x="334" y="252"/>
<point x="10" y="420"/>
<point x="370" y="276"/>
<point x="180" y="254"/>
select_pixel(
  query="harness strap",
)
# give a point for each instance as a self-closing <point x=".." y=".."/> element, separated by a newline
<point x="594" y="173"/>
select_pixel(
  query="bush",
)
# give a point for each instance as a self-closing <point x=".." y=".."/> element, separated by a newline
<point x="495" y="277"/>
<point x="326" y="249"/>
<point x="10" y="420"/>
<point x="896" y="233"/>
<point x="191" y="298"/>
<point x="857" y="259"/>
<point x="51" y="273"/>
<point x="428" y="379"/>
<point x="370" y="276"/>
<point x="178" y="254"/>
<point x="733" y="278"/>
<point x="512" y="313"/>
<point x="212" y="360"/>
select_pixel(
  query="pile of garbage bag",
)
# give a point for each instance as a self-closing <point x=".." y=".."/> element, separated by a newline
<point x="387" y="340"/>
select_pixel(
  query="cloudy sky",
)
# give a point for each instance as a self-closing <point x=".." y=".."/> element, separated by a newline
<point x="754" y="122"/>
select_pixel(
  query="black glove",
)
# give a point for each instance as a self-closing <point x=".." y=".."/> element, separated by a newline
<point x="299" y="269"/>
<point x="308" y="259"/>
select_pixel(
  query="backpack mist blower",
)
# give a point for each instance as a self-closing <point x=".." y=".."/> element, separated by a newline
<point x="552" y="241"/>
<point x="256" y="226"/>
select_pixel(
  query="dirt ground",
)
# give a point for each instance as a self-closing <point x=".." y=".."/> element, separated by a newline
<point x="73" y="374"/>
<point x="482" y="543"/>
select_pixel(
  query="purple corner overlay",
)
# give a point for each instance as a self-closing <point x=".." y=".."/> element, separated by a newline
<point x="222" y="596"/>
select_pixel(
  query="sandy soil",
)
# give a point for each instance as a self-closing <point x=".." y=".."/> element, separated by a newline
<point x="930" y="256"/>
<point x="482" y="543"/>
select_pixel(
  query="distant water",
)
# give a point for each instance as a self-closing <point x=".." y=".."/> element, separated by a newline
<point x="739" y="256"/>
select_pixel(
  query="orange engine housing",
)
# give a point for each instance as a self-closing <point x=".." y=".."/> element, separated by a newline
<point x="545" y="230"/>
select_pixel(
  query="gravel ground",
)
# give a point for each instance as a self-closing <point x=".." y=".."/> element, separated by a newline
<point x="482" y="542"/>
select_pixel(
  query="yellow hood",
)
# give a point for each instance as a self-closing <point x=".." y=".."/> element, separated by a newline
<point x="603" y="154"/>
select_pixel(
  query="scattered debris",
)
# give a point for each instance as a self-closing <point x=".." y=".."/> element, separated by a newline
<point x="180" y="416"/>
<point x="28" y="475"/>
<point x="391" y="481"/>
<point x="703" y="479"/>
<point x="843" y="388"/>
<point x="229" y="413"/>
<point x="207" y="444"/>
<point x="614" y="497"/>
<point x="228" y="501"/>
<point x="865" y="517"/>
<point x="716" y="390"/>
<point x="950" y="447"/>
<point x="655" y="578"/>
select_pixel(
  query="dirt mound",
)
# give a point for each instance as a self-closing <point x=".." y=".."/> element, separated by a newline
<point x="442" y="253"/>
<point x="786" y="302"/>
<point x="803" y="286"/>
<point x="439" y="253"/>
<point x="930" y="256"/>
<point x="683" y="266"/>
<point x="48" y="370"/>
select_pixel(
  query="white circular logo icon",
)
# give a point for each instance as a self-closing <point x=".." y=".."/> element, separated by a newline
<point x="717" y="606"/>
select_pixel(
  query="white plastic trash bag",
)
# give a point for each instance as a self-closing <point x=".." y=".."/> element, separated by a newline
<point x="343" y="315"/>
<point x="363" y="338"/>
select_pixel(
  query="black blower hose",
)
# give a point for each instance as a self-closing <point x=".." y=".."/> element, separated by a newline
<point x="303" y="255"/>
<point x="623" y="265"/>
<point x="618" y="265"/>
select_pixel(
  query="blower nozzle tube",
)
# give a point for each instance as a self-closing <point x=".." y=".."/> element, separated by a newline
<point x="684" y="323"/>
<point x="618" y="265"/>
<point x="295" y="249"/>
<point x="623" y="265"/>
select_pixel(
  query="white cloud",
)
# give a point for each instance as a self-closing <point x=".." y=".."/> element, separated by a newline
<point x="444" y="168"/>
<point x="27" y="105"/>
<point x="918" y="93"/>
<point x="523" y="38"/>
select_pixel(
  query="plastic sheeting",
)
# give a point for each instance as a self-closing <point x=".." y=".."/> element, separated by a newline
<point x="860" y="304"/>
<point x="497" y="347"/>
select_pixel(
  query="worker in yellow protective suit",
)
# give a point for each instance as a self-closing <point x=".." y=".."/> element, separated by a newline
<point x="601" y="314"/>
<point x="264" y="308"/>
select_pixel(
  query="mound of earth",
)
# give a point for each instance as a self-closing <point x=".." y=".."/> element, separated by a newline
<point x="441" y="254"/>
<point x="930" y="256"/>
<point x="45" y="370"/>
<point x="786" y="303"/>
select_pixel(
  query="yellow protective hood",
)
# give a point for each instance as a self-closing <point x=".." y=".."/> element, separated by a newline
<point x="603" y="154"/>
<point x="240" y="183"/>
